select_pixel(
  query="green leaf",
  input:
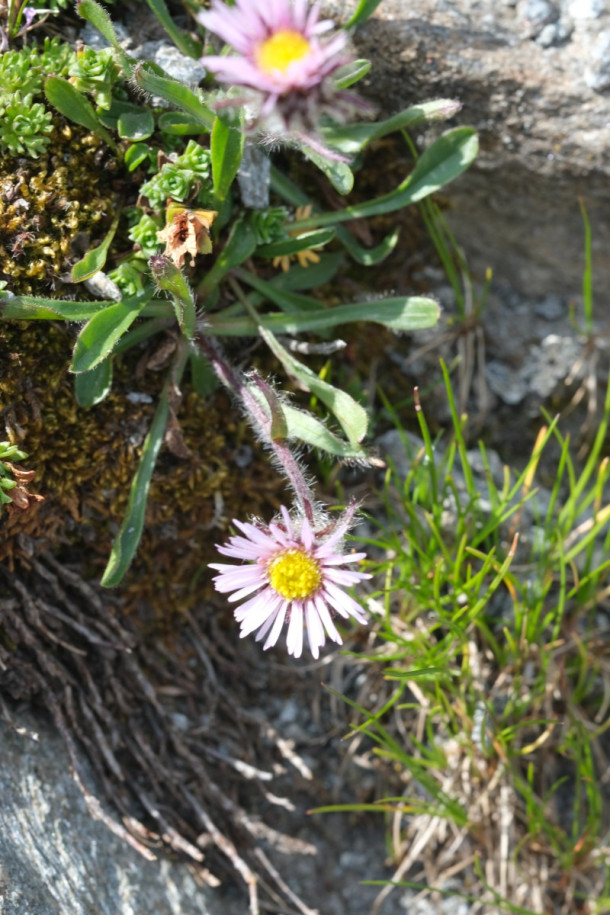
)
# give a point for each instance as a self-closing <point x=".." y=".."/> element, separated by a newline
<point x="309" y="277"/>
<point x="92" y="387"/>
<point x="339" y="174"/>
<point x="135" y="155"/>
<point x="368" y="256"/>
<point x="145" y="329"/>
<point x="170" y="279"/>
<point x="269" y="399"/>
<point x="282" y="297"/>
<point x="136" y="125"/>
<point x="99" y="336"/>
<point x="205" y="381"/>
<point x="240" y="245"/>
<point x="425" y="673"/>
<point x="34" y="308"/>
<point x="227" y="149"/>
<point x="306" y="428"/>
<point x="309" y="430"/>
<point x="179" y="123"/>
<point x="351" y="415"/>
<point x="11" y="451"/>
<point x="400" y="314"/>
<point x="351" y="73"/>
<point x="127" y="540"/>
<point x="99" y="18"/>
<point x="352" y="138"/>
<point x="362" y="12"/>
<point x="313" y="239"/>
<point x="447" y="158"/>
<point x="69" y="102"/>
<point x="287" y="189"/>
<point x="94" y="260"/>
<point x="443" y="161"/>
<point x="184" y="43"/>
<point x="175" y="93"/>
<point x="296" y="278"/>
<point x="109" y="117"/>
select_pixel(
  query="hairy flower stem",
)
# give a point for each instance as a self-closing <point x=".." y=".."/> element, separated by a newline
<point x="264" y="423"/>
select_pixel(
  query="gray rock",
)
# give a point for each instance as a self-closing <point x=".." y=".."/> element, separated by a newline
<point x="509" y="385"/>
<point x="177" y="65"/>
<point x="55" y="859"/>
<point x="449" y="905"/>
<point x="587" y="9"/>
<point x="555" y="33"/>
<point x="253" y="177"/>
<point x="551" y="308"/>
<point x="597" y="73"/>
<point x="537" y="14"/>
<point x="90" y="36"/>
<point x="543" y="113"/>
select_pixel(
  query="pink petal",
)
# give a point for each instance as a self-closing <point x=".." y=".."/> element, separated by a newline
<point x="326" y="619"/>
<point x="339" y="558"/>
<point x="240" y="613"/>
<point x="243" y="592"/>
<point x="277" y="627"/>
<point x="239" y="550"/>
<point x="258" y="616"/>
<point x="315" y="630"/>
<point x="265" y="627"/>
<point x="231" y="581"/>
<point x="287" y="519"/>
<point x="307" y="535"/>
<point x="344" y="577"/>
<point x="253" y="533"/>
<point x="294" y="639"/>
<point x="343" y="603"/>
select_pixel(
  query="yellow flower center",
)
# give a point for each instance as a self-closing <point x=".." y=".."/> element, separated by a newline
<point x="280" y="50"/>
<point x="294" y="574"/>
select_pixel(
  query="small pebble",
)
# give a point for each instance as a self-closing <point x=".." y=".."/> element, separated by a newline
<point x="177" y="65"/>
<point x="505" y="383"/>
<point x="597" y="74"/>
<point x="93" y="39"/>
<point x="538" y="13"/>
<point x="253" y="177"/>
<point x="551" y="308"/>
<point x="587" y="9"/>
<point x="555" y="33"/>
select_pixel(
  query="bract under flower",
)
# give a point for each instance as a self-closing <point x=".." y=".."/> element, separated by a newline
<point x="293" y="576"/>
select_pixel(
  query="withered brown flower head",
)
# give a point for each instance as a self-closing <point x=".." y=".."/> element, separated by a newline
<point x="186" y="232"/>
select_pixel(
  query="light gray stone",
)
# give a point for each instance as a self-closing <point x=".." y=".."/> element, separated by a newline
<point x="55" y="859"/>
<point x="543" y="115"/>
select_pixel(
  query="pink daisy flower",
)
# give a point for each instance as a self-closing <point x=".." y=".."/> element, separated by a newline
<point x="295" y="578"/>
<point x="278" y="46"/>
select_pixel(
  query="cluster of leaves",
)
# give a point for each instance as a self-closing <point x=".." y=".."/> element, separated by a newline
<point x="183" y="178"/>
<point x="8" y="454"/>
<point x="158" y="297"/>
<point x="25" y="120"/>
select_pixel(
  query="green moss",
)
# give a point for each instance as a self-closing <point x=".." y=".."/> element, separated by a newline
<point x="84" y="461"/>
<point x="26" y="122"/>
<point x="45" y="202"/>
